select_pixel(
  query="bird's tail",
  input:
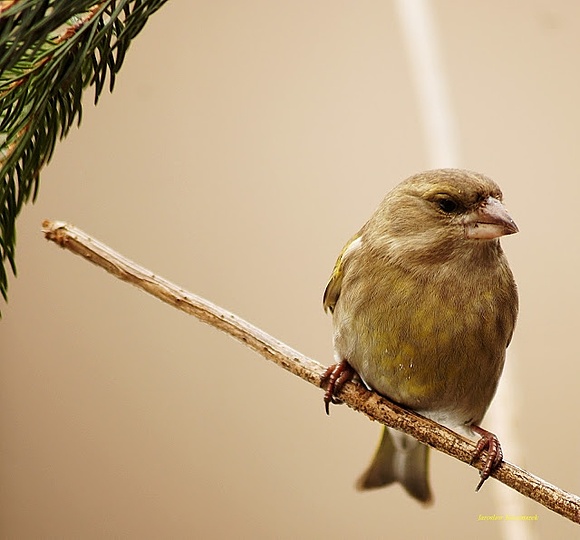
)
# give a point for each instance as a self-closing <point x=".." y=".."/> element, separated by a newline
<point x="399" y="458"/>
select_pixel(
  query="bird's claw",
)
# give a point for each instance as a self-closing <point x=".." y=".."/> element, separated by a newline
<point x="490" y="443"/>
<point x="335" y="377"/>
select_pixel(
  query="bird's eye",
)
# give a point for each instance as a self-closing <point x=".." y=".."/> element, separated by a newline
<point x="447" y="205"/>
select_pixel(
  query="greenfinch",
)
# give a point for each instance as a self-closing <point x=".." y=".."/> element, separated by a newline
<point x="424" y="305"/>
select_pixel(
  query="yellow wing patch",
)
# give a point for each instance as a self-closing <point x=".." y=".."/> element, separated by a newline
<point x="334" y="286"/>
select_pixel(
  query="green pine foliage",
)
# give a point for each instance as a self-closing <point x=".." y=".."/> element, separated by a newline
<point x="50" y="52"/>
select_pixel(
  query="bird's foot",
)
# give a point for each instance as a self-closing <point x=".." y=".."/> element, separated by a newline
<point x="490" y="443"/>
<point x="336" y="376"/>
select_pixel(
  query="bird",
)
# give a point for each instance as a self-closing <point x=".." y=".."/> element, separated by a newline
<point x="424" y="305"/>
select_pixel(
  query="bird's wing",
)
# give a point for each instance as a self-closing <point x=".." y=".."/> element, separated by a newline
<point x="332" y="291"/>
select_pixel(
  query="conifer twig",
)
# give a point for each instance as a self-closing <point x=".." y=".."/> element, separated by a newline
<point x="51" y="52"/>
<point x="353" y="394"/>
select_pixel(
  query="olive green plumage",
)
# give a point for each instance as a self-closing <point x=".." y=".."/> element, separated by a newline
<point x="424" y="305"/>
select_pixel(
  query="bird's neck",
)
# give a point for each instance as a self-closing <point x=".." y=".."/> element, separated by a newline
<point x="445" y="255"/>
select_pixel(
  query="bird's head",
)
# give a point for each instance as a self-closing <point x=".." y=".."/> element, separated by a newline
<point x="438" y="213"/>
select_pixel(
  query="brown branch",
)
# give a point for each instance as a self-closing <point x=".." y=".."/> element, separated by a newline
<point x="353" y="394"/>
<point x="6" y="4"/>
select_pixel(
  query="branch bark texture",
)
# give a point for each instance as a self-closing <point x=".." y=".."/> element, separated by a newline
<point x="355" y="395"/>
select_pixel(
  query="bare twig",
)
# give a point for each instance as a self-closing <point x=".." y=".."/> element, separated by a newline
<point x="353" y="394"/>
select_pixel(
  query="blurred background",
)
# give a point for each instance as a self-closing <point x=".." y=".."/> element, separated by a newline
<point x="244" y="143"/>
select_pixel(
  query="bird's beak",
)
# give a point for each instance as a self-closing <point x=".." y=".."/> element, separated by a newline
<point x="490" y="220"/>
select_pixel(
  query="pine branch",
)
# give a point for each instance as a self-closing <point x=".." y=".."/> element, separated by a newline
<point x="50" y="52"/>
<point x="353" y="394"/>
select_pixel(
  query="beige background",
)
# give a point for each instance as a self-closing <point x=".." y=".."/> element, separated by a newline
<point x="244" y="143"/>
